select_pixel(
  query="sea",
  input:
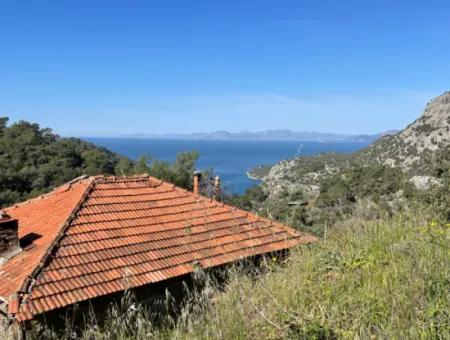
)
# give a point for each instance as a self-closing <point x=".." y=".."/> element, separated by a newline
<point x="231" y="160"/>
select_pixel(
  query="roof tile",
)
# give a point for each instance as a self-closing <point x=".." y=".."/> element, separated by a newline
<point x="127" y="232"/>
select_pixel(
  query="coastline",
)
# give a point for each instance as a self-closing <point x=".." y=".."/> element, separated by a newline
<point x="253" y="178"/>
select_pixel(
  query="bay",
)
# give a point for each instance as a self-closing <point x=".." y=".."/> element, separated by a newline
<point x="229" y="159"/>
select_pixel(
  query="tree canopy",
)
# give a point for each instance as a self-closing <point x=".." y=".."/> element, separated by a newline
<point x="179" y="172"/>
<point x="34" y="160"/>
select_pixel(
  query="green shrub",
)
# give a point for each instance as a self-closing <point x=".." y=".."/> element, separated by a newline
<point x="377" y="279"/>
<point x="372" y="279"/>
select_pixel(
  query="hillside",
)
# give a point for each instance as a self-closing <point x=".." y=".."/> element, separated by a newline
<point x="415" y="150"/>
<point x="33" y="160"/>
<point x="393" y="175"/>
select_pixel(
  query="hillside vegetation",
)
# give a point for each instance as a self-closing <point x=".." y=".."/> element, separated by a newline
<point x="34" y="160"/>
<point x="417" y="146"/>
<point x="394" y="173"/>
<point x="382" y="189"/>
<point x="414" y="150"/>
<point x="387" y="278"/>
<point x="382" y="279"/>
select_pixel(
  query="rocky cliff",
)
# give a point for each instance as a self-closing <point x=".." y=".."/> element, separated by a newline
<point x="414" y="150"/>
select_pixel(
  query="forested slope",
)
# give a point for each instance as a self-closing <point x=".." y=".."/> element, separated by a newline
<point x="33" y="160"/>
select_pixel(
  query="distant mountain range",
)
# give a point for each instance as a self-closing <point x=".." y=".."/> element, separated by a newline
<point x="268" y="135"/>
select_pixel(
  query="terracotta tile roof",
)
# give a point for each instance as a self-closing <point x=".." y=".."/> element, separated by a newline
<point x="105" y="234"/>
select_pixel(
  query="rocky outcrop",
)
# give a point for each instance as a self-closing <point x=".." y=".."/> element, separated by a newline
<point x="413" y="149"/>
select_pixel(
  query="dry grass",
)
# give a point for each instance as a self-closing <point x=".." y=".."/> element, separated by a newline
<point x="383" y="279"/>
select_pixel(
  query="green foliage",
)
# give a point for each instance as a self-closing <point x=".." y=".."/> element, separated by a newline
<point x="33" y="160"/>
<point x="124" y="167"/>
<point x="97" y="162"/>
<point x="340" y="196"/>
<point x="323" y="165"/>
<point x="440" y="196"/>
<point x="142" y="166"/>
<point x="377" y="279"/>
<point x="183" y="168"/>
<point x="251" y="200"/>
<point x="179" y="172"/>
<point x="376" y="182"/>
<point x="425" y="129"/>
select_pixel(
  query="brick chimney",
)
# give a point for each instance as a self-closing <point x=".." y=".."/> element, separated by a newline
<point x="9" y="237"/>
<point x="197" y="178"/>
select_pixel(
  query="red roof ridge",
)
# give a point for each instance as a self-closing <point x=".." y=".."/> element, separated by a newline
<point x="63" y="187"/>
<point x="102" y="179"/>
<point x="29" y="280"/>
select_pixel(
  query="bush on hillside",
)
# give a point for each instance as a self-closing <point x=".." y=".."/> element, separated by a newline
<point x="387" y="189"/>
<point x="376" y="182"/>
<point x="440" y="197"/>
<point x="378" y="279"/>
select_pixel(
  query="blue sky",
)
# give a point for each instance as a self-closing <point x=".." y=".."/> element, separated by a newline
<point x="108" y="68"/>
